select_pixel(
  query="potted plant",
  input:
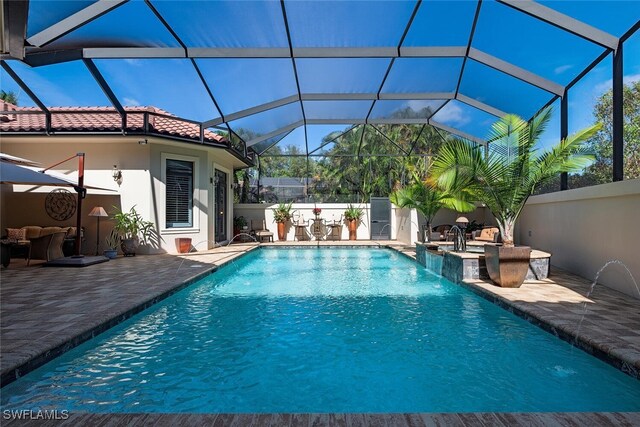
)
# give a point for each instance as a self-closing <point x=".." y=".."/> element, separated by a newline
<point x="353" y="214"/>
<point x="132" y="230"/>
<point x="112" y="241"/>
<point x="317" y="212"/>
<point x="281" y="215"/>
<point x="427" y="198"/>
<point x="506" y="178"/>
<point x="239" y="225"/>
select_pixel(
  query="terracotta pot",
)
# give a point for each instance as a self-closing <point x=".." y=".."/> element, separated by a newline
<point x="507" y="265"/>
<point x="353" y="229"/>
<point x="184" y="245"/>
<point x="281" y="233"/>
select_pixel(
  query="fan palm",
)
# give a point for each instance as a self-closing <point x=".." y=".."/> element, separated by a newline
<point x="506" y="177"/>
<point x="428" y="199"/>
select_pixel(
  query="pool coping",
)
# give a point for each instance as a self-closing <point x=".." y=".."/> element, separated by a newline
<point x="12" y="373"/>
<point x="595" y="349"/>
<point x="629" y="366"/>
<point x="617" y="359"/>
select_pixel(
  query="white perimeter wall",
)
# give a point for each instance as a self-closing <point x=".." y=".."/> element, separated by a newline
<point x="329" y="211"/>
<point x="586" y="227"/>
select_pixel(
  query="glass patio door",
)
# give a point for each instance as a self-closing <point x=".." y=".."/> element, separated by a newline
<point x="220" y="206"/>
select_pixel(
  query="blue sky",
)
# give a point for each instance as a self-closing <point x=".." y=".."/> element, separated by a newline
<point x="238" y="84"/>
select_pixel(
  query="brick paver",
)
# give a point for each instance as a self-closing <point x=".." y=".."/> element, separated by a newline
<point x="43" y="309"/>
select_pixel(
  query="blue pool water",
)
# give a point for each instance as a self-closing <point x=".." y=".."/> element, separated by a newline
<point x="325" y="330"/>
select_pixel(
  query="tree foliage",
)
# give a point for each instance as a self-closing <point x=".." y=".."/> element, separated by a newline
<point x="506" y="178"/>
<point x="11" y="97"/>
<point x="601" y="143"/>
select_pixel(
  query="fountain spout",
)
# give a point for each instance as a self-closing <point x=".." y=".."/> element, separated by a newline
<point x="241" y="234"/>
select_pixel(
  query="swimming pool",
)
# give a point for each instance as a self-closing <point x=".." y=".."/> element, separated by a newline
<point x="325" y="330"/>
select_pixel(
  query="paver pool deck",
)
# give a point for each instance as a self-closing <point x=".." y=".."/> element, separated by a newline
<point x="46" y="311"/>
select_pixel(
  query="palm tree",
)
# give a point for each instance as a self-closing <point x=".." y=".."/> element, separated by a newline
<point x="11" y="97"/>
<point x="506" y="177"/>
<point x="428" y="199"/>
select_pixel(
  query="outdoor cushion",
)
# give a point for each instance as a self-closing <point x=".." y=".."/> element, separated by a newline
<point x="32" y="231"/>
<point x="16" y="234"/>
<point x="488" y="234"/>
<point x="51" y="230"/>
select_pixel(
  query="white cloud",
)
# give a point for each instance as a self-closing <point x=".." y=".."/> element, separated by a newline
<point x="417" y="105"/>
<point x="631" y="78"/>
<point x="453" y="115"/>
<point x="608" y="84"/>
<point x="561" y="69"/>
<point x="133" y="61"/>
<point x="131" y="102"/>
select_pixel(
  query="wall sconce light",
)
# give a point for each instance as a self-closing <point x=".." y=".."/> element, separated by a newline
<point x="117" y="175"/>
<point x="143" y="141"/>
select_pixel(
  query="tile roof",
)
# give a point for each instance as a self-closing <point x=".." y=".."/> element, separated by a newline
<point x="95" y="119"/>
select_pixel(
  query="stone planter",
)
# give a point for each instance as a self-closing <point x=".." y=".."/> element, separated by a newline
<point x="129" y="247"/>
<point x="507" y="265"/>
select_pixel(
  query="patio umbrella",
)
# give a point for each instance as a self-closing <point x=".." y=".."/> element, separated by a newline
<point x="14" y="174"/>
<point x="17" y="160"/>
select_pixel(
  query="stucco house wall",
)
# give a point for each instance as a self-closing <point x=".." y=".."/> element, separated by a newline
<point x="142" y="185"/>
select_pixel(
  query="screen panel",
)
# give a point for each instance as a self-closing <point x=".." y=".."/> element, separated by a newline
<point x="238" y="84"/>
<point x="413" y="75"/>
<point x="465" y="118"/>
<point x="262" y="123"/>
<point x="502" y="91"/>
<point x="68" y="84"/>
<point x="43" y="14"/>
<point x="169" y="84"/>
<point x="132" y="24"/>
<point x="612" y="16"/>
<point x="442" y="23"/>
<point x="339" y="110"/>
<point x="341" y="75"/>
<point x="531" y="44"/>
<point x="347" y="23"/>
<point x="226" y="24"/>
<point x="401" y="109"/>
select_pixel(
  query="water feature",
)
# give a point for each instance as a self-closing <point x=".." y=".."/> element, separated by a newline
<point x="382" y="229"/>
<point x="241" y="234"/>
<point x="593" y="286"/>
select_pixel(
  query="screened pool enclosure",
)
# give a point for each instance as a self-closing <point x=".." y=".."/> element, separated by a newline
<point x="343" y="96"/>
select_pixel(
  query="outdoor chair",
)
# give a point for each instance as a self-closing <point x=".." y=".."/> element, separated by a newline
<point x="334" y="229"/>
<point x="487" y="234"/>
<point x="440" y="232"/>
<point x="301" y="228"/>
<point x="48" y="247"/>
<point x="260" y="231"/>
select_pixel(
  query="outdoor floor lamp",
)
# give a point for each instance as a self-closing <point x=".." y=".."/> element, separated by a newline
<point x="98" y="212"/>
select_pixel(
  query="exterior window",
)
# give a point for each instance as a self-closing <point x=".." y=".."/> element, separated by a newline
<point x="179" y="187"/>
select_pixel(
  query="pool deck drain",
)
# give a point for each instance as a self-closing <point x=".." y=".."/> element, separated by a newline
<point x="46" y="311"/>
